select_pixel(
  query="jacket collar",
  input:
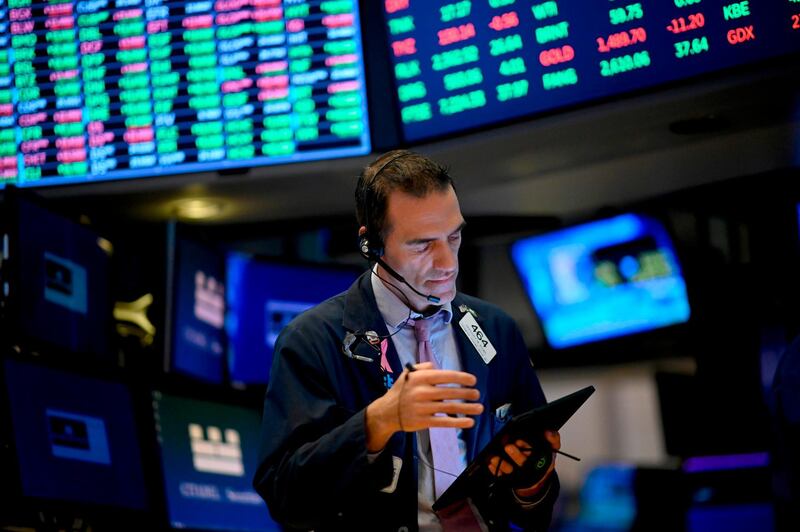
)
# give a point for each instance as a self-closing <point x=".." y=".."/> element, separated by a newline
<point x="360" y="310"/>
<point x="361" y="315"/>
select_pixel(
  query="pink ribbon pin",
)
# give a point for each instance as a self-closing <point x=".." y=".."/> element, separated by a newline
<point x="384" y="361"/>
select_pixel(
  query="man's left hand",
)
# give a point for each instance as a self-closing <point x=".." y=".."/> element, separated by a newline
<point x="519" y="451"/>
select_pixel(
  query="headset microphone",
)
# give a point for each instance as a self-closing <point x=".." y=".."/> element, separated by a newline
<point x="373" y="254"/>
<point x="430" y="297"/>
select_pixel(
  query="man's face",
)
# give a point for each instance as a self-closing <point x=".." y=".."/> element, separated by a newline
<point x="422" y="243"/>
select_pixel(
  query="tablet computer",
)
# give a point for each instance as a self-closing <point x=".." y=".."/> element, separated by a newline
<point x="529" y="426"/>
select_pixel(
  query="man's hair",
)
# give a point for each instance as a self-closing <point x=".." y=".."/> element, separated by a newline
<point x="401" y="170"/>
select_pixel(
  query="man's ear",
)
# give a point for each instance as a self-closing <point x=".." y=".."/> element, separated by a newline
<point x="362" y="230"/>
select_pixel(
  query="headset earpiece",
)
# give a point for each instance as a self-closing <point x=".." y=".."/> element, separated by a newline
<point x="370" y="244"/>
<point x="369" y="253"/>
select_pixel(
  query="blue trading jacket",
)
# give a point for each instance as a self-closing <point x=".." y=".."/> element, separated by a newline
<point x="314" y="472"/>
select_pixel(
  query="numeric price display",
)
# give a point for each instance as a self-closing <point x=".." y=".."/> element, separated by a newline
<point x="109" y="89"/>
<point x="465" y="64"/>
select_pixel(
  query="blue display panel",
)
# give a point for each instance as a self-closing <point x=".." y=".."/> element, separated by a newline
<point x="731" y="517"/>
<point x="462" y="64"/>
<point x="263" y="298"/>
<point x="75" y="437"/>
<point x="602" y="280"/>
<point x="102" y="89"/>
<point x="198" y="329"/>
<point x="208" y="455"/>
<point x="59" y="275"/>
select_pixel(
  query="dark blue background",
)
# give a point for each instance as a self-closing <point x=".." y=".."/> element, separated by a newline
<point x="39" y="232"/>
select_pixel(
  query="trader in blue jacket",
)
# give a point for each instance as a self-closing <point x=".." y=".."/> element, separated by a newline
<point x="358" y="434"/>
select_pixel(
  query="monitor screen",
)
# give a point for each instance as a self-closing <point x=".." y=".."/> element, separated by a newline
<point x="75" y="437"/>
<point x="602" y="279"/>
<point x="263" y="297"/>
<point x="464" y="64"/>
<point x="99" y="89"/>
<point x="59" y="290"/>
<point x="208" y="456"/>
<point x="198" y="334"/>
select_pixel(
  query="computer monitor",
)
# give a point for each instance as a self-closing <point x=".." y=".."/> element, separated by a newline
<point x="57" y="276"/>
<point x="208" y="458"/>
<point x="197" y="333"/>
<point x="102" y="90"/>
<point x="602" y="279"/>
<point x="263" y="297"/>
<point x="75" y="437"/>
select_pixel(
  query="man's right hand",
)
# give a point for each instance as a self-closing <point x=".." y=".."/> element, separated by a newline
<point x="422" y="399"/>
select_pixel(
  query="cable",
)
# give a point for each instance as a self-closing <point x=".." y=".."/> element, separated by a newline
<point x="398" y="328"/>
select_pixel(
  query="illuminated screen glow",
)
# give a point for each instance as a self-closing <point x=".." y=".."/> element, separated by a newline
<point x="103" y="89"/>
<point x="463" y="64"/>
<point x="602" y="280"/>
<point x="198" y="344"/>
<point x="262" y="299"/>
<point x="208" y="454"/>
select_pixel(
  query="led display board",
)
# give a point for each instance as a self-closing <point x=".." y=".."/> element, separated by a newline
<point x="463" y="64"/>
<point x="111" y="89"/>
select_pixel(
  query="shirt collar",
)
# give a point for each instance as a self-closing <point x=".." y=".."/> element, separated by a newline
<point x="394" y="310"/>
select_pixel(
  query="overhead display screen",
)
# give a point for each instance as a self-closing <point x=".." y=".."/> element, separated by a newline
<point x="463" y="64"/>
<point x="602" y="279"/>
<point x="111" y="89"/>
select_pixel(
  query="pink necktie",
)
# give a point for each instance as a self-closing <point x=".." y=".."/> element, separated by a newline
<point x="444" y="441"/>
<point x="458" y="517"/>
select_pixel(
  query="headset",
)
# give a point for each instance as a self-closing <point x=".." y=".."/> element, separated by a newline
<point x="371" y="248"/>
<point x="371" y="244"/>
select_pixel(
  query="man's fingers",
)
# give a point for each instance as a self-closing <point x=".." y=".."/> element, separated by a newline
<point x="554" y="438"/>
<point x="515" y="454"/>
<point x="444" y="376"/>
<point x="436" y="407"/>
<point x="440" y="393"/>
<point x="449" y="422"/>
<point x="493" y="465"/>
<point x="524" y="447"/>
<point x="494" y="461"/>
<point x="504" y="466"/>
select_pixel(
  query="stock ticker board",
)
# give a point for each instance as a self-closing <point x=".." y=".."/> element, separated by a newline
<point x="460" y="65"/>
<point x="110" y="89"/>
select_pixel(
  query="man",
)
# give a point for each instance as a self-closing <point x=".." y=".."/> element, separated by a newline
<point x="351" y="439"/>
